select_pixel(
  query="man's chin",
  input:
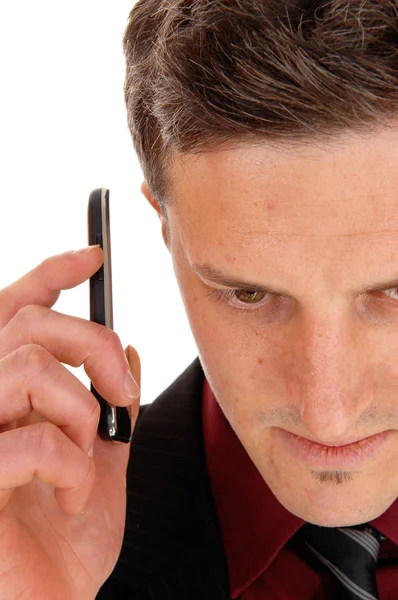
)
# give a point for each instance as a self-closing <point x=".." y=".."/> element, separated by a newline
<point x="333" y="499"/>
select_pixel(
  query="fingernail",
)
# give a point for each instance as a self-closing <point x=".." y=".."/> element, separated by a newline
<point x="91" y="452"/>
<point x="86" y="249"/>
<point x="131" y="388"/>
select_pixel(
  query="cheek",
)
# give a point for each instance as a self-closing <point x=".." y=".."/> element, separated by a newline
<point x="245" y="367"/>
<point x="225" y="352"/>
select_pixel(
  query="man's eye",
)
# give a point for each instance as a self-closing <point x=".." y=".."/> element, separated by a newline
<point x="242" y="299"/>
<point x="391" y="292"/>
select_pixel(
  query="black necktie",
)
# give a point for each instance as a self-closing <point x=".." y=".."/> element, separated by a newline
<point x="351" y="555"/>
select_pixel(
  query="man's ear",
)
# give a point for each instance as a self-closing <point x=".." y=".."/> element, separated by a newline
<point x="155" y="204"/>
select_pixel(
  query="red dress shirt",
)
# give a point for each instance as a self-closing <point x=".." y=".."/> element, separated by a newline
<point x="265" y="560"/>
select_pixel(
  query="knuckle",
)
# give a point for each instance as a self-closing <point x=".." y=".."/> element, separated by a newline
<point x="108" y="338"/>
<point x="32" y="359"/>
<point x="41" y="439"/>
<point x="47" y="265"/>
<point x="88" y="475"/>
<point x="29" y="316"/>
<point x="94" y="412"/>
<point x="46" y="261"/>
<point x="30" y="313"/>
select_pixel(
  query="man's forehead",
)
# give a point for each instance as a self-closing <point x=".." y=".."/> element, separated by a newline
<point x="269" y="220"/>
<point x="261" y="157"/>
<point x="253" y="191"/>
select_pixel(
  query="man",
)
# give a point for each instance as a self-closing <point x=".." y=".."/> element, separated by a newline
<point x="267" y="135"/>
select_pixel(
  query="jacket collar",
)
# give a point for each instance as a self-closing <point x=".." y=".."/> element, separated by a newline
<point x="170" y="511"/>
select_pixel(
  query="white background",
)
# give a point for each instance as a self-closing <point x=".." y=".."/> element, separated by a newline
<point x="63" y="132"/>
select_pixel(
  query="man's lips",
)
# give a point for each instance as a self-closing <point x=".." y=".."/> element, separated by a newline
<point x="337" y="444"/>
<point x="345" y="454"/>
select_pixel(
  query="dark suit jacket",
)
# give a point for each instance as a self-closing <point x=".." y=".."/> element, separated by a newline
<point x="172" y="548"/>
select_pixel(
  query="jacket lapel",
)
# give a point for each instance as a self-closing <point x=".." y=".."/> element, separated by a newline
<point x="172" y="546"/>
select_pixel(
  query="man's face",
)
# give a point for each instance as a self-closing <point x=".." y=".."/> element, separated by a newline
<point x="318" y="358"/>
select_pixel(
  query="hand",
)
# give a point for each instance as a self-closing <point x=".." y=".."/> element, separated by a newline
<point x="62" y="488"/>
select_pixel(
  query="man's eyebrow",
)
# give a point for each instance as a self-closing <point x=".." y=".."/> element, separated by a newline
<point x="216" y="276"/>
<point x="381" y="287"/>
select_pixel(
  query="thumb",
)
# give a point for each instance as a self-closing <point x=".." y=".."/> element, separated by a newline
<point x="134" y="362"/>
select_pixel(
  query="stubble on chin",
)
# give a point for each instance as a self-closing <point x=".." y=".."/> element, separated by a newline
<point x="333" y="477"/>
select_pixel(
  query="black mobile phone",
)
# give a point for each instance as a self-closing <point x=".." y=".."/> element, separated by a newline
<point x="114" y="423"/>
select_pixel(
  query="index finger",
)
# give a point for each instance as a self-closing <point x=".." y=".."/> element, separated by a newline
<point x="43" y="284"/>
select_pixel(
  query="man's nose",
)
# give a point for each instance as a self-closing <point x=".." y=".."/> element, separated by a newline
<point x="333" y="383"/>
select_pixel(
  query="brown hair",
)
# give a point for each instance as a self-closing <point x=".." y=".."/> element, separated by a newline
<point x="200" y="73"/>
